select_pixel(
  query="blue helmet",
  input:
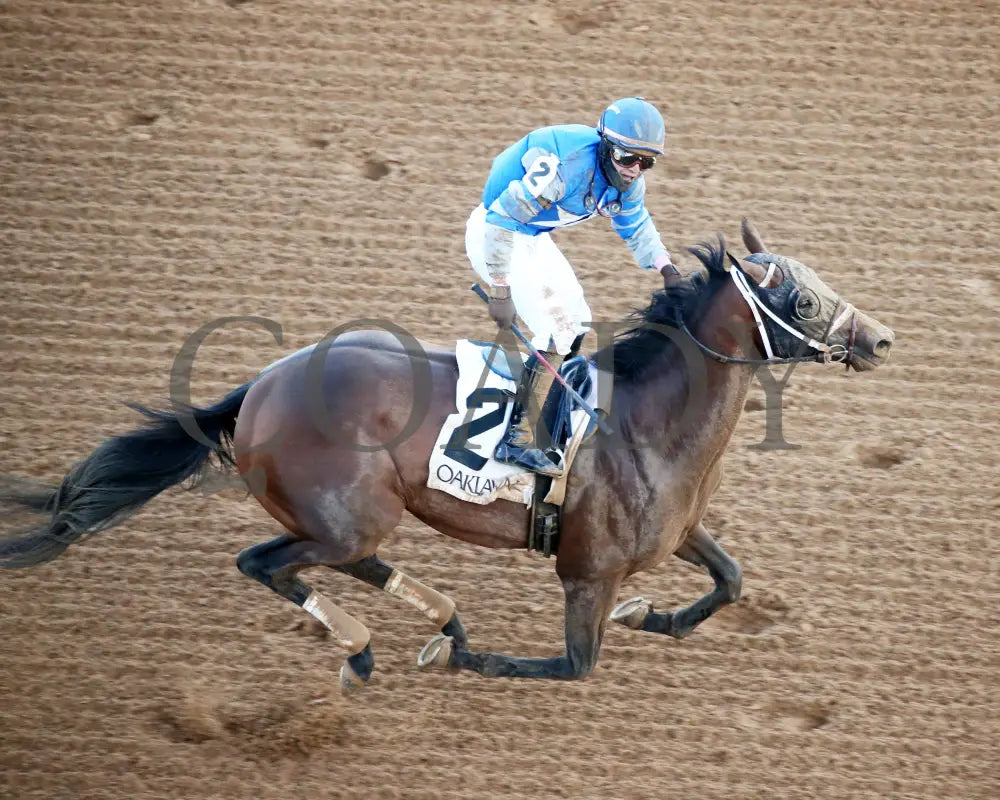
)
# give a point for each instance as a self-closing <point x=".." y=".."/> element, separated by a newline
<point x="634" y="124"/>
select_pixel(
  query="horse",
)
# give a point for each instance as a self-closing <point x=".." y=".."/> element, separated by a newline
<point x="334" y="443"/>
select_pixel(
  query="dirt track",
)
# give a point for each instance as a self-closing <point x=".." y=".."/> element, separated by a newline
<point x="312" y="163"/>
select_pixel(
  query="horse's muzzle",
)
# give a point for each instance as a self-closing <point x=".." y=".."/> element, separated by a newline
<point x="872" y="343"/>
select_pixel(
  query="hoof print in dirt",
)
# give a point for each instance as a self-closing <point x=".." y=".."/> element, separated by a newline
<point x="570" y="22"/>
<point x="802" y="717"/>
<point x="124" y="120"/>
<point x="375" y="170"/>
<point x="578" y="23"/>
<point x="881" y="456"/>
<point x="140" y="118"/>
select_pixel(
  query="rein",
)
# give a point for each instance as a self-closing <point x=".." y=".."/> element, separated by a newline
<point x="825" y="353"/>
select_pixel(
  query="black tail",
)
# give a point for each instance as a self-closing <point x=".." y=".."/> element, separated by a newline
<point x="120" y="476"/>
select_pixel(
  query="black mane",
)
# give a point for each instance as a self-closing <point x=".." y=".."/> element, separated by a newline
<point x="633" y="350"/>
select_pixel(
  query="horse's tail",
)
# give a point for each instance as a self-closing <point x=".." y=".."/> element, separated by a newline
<point x="120" y="476"/>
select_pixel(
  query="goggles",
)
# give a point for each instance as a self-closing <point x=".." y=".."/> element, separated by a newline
<point x="627" y="158"/>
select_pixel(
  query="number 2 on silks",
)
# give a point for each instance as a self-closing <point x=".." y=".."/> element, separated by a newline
<point x="541" y="173"/>
<point x="455" y="448"/>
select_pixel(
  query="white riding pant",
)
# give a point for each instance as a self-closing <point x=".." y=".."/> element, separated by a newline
<point x="546" y="293"/>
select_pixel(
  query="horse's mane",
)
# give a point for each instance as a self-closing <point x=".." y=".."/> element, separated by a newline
<point x="633" y="350"/>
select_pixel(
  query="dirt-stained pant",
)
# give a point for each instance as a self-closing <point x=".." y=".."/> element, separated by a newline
<point x="546" y="293"/>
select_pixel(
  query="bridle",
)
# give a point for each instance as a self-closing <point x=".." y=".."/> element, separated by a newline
<point x="824" y="354"/>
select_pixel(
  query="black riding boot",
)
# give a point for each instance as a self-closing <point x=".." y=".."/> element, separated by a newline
<point x="520" y="446"/>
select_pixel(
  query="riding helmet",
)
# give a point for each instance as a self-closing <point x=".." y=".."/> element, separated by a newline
<point x="634" y="124"/>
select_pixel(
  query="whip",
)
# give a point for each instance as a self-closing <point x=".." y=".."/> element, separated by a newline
<point x="598" y="419"/>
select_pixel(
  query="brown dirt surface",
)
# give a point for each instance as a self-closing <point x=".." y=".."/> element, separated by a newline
<point x="166" y="164"/>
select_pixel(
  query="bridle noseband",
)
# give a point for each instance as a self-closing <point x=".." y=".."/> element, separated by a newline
<point x="825" y="353"/>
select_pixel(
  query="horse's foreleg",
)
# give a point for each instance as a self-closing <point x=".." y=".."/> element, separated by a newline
<point x="275" y="565"/>
<point x="701" y="550"/>
<point x="587" y="604"/>
<point x="439" y="608"/>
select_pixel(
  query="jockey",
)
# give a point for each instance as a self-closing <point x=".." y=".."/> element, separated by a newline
<point x="552" y="178"/>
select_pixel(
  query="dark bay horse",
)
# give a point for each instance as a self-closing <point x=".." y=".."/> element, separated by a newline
<point x="317" y="439"/>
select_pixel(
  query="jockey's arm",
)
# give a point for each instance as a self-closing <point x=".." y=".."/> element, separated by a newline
<point x="522" y="200"/>
<point x="636" y="228"/>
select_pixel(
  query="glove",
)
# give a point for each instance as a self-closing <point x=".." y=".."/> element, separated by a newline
<point x="501" y="306"/>
<point x="669" y="272"/>
<point x="670" y="275"/>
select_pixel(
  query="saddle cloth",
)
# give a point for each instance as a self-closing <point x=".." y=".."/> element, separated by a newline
<point x="461" y="461"/>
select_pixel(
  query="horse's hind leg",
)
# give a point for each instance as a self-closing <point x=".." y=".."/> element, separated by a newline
<point x="701" y="550"/>
<point x="276" y="563"/>
<point x="439" y="608"/>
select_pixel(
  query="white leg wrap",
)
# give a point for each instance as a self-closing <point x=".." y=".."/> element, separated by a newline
<point x="349" y="633"/>
<point x="434" y="604"/>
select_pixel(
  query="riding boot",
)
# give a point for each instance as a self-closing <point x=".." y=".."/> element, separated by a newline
<point x="520" y="445"/>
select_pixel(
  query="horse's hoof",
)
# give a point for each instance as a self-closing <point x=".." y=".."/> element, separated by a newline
<point x="436" y="653"/>
<point x="350" y="681"/>
<point x="632" y="613"/>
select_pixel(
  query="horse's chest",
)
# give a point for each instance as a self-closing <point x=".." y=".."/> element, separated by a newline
<point x="633" y="527"/>
<point x="665" y="526"/>
<point x="658" y="541"/>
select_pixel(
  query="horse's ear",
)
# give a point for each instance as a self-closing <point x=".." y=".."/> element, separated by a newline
<point x="751" y="237"/>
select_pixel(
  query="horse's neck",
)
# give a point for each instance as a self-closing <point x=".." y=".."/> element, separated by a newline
<point x="691" y="409"/>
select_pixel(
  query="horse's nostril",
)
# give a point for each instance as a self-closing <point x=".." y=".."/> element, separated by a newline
<point x="882" y="348"/>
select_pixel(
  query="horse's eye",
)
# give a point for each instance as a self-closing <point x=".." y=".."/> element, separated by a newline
<point x="805" y="304"/>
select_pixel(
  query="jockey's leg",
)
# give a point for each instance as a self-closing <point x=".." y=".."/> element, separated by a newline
<point x="546" y="294"/>
<point x="550" y="300"/>
<point x="524" y="441"/>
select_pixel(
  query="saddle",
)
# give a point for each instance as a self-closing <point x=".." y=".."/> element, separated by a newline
<point x="461" y="462"/>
